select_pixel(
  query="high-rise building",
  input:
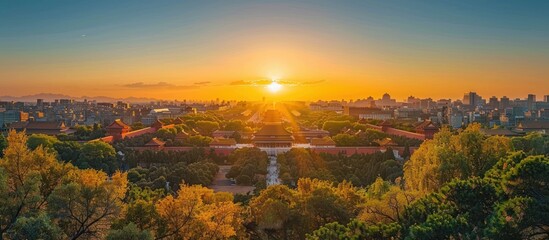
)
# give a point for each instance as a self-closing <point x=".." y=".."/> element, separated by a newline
<point x="66" y="102"/>
<point x="493" y="103"/>
<point x="546" y="98"/>
<point x="386" y="101"/>
<point x="531" y="101"/>
<point x="466" y="100"/>
<point x="504" y="102"/>
<point x="11" y="116"/>
<point x="122" y="105"/>
<point x="471" y="99"/>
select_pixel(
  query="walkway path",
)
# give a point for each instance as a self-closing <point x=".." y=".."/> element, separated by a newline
<point x="272" y="172"/>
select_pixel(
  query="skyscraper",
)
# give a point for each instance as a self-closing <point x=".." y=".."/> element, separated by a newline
<point x="493" y="103"/>
<point x="466" y="99"/>
<point x="471" y="99"/>
<point x="531" y="101"/>
<point x="504" y="102"/>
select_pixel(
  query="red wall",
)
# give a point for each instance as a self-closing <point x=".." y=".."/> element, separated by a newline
<point x="331" y="150"/>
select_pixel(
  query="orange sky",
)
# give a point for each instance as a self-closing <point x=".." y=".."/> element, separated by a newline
<point x="318" y="51"/>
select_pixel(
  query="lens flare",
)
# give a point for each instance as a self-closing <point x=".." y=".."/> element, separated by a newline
<point x="274" y="87"/>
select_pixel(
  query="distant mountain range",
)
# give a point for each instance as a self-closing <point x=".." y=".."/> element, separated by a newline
<point x="50" y="97"/>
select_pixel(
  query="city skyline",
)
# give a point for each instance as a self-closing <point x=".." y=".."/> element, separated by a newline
<point x="49" y="97"/>
<point x="316" y="50"/>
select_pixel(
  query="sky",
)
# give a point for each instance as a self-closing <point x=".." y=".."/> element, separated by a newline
<point x="313" y="49"/>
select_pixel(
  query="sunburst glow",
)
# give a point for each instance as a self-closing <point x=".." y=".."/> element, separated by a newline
<point x="274" y="87"/>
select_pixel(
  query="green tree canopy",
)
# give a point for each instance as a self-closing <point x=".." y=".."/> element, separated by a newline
<point x="335" y="127"/>
<point x="206" y="128"/>
<point x="43" y="140"/>
<point x="129" y="232"/>
<point x="98" y="155"/>
<point x="3" y="144"/>
<point x="450" y="156"/>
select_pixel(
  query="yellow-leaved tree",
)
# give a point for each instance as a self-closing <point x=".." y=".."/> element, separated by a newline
<point x="28" y="178"/>
<point x="449" y="156"/>
<point x="385" y="202"/>
<point x="198" y="212"/>
<point x="87" y="202"/>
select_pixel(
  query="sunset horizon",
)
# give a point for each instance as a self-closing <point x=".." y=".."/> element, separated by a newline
<point x="320" y="50"/>
<point x="274" y="119"/>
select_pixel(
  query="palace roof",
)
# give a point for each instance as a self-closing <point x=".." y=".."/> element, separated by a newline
<point x="223" y="133"/>
<point x="50" y="128"/>
<point x="326" y="141"/>
<point x="221" y="141"/>
<point x="118" y="124"/>
<point x="533" y="125"/>
<point x="155" y="142"/>
<point x="500" y="132"/>
<point x="427" y="124"/>
<point x="386" y="142"/>
<point x="139" y="132"/>
<point x="181" y="135"/>
<point x="178" y="121"/>
<point x="272" y="132"/>
<point x="157" y="124"/>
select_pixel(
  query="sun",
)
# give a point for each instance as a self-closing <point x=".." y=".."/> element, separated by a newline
<point x="274" y="86"/>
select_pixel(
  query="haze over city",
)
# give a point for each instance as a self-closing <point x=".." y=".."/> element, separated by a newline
<point x="274" y="119"/>
<point x="313" y="49"/>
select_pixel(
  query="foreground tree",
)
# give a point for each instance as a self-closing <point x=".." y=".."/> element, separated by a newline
<point x="27" y="179"/>
<point x="281" y="212"/>
<point x="86" y="204"/>
<point x="450" y="156"/>
<point x="385" y="202"/>
<point x="510" y="202"/>
<point x="39" y="227"/>
<point x="198" y="213"/>
<point x="355" y="230"/>
<point x="533" y="143"/>
<point x="459" y="209"/>
<point x="129" y="232"/>
<point x="524" y="179"/>
<point x="3" y="144"/>
<point x="141" y="211"/>
<point x="274" y="211"/>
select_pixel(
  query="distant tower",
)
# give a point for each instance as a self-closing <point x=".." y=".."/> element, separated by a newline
<point x="494" y="103"/>
<point x="445" y="114"/>
<point x="40" y="104"/>
<point x="531" y="101"/>
<point x="473" y="99"/>
<point x="504" y="102"/>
